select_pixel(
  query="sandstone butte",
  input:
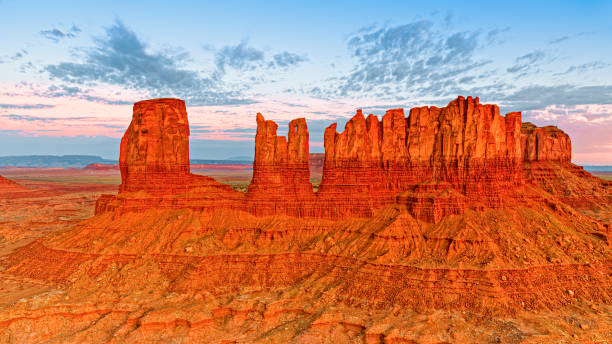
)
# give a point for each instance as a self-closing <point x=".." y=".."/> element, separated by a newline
<point x="154" y="159"/>
<point x="453" y="224"/>
<point x="437" y="161"/>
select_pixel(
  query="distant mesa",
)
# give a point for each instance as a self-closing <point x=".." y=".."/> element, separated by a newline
<point x="102" y="167"/>
<point x="62" y="161"/>
<point x="545" y="144"/>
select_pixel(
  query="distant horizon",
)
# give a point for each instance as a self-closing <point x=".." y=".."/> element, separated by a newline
<point x="231" y="158"/>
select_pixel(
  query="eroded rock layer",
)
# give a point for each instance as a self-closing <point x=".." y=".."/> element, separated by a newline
<point x="545" y="144"/>
<point x="281" y="175"/>
<point x="547" y="164"/>
<point x="225" y="275"/>
<point x="466" y="144"/>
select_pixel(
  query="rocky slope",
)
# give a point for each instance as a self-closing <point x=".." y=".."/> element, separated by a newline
<point x="547" y="164"/>
<point x="7" y="185"/>
<point x="433" y="228"/>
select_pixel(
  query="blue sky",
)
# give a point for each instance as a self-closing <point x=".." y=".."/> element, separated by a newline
<point x="69" y="71"/>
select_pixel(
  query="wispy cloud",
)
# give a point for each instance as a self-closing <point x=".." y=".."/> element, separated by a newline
<point x="59" y="91"/>
<point x="559" y="40"/>
<point x="26" y="106"/>
<point x="243" y="57"/>
<point x="287" y="59"/>
<point x="540" y="97"/>
<point x="121" y="58"/>
<point x="415" y="57"/>
<point x="526" y="62"/>
<point x="585" y="67"/>
<point x="28" y="118"/>
<point x="240" y="56"/>
<point x="57" y="35"/>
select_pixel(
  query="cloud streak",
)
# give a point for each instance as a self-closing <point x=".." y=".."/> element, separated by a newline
<point x="28" y="118"/>
<point x="527" y="62"/>
<point x="55" y="35"/>
<point x="242" y="57"/>
<point x="26" y="106"/>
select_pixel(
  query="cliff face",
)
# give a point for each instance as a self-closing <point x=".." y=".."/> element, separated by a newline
<point x="281" y="176"/>
<point x="466" y="144"/>
<point x="547" y="154"/>
<point x="545" y="144"/>
<point x="435" y="162"/>
<point x="154" y="159"/>
<point x="154" y="154"/>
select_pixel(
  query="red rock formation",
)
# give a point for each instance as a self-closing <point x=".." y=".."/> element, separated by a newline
<point x="154" y="158"/>
<point x="224" y="275"/>
<point x="437" y="161"/>
<point x="547" y="164"/>
<point x="432" y="202"/>
<point x="281" y="177"/>
<point x="154" y="152"/>
<point x="466" y="144"/>
<point x="545" y="144"/>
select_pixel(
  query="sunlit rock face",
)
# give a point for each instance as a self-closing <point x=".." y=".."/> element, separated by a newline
<point x="154" y="164"/>
<point x="281" y="175"/>
<point x="154" y="152"/>
<point x="434" y="161"/>
<point x="466" y="146"/>
<point x="545" y="144"/>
